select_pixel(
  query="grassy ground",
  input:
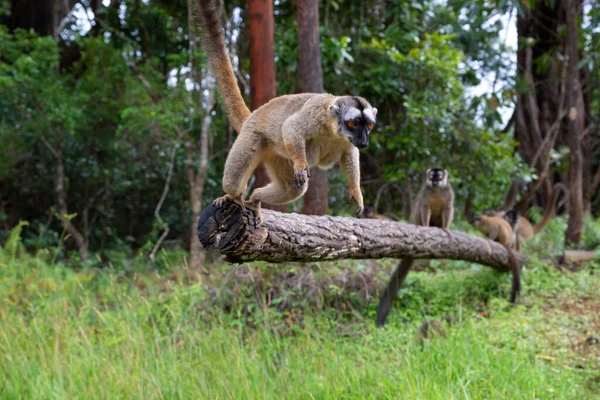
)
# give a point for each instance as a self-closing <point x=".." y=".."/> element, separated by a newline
<point x="295" y="332"/>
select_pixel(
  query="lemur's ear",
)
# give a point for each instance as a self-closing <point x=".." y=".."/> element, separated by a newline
<point x="334" y="110"/>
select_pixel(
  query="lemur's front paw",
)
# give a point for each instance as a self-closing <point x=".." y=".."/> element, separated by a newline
<point x="359" y="212"/>
<point x="301" y="174"/>
<point x="356" y="195"/>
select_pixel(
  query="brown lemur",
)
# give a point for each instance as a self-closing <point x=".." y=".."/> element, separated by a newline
<point x="289" y="134"/>
<point x="499" y="230"/>
<point x="434" y="206"/>
<point x="513" y="217"/>
<point x="521" y="226"/>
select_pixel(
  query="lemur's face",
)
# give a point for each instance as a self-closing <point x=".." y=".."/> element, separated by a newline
<point x="437" y="177"/>
<point x="356" y="119"/>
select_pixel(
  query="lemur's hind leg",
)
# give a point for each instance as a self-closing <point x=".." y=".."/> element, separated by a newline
<point x="242" y="160"/>
<point x="283" y="187"/>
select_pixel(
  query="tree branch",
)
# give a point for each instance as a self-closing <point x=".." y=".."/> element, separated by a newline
<point x="292" y="237"/>
<point x="160" y="203"/>
<point x="145" y="83"/>
<point x="49" y="146"/>
<point x="510" y="122"/>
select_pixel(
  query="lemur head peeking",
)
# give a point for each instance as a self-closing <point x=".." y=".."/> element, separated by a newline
<point x="437" y="177"/>
<point x="356" y="118"/>
<point x="512" y="216"/>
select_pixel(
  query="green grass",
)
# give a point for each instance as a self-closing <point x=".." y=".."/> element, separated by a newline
<point x="67" y="334"/>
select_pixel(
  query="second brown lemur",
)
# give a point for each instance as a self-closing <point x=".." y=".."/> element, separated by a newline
<point x="289" y="134"/>
<point x="499" y="230"/>
<point x="522" y="228"/>
<point x="434" y="206"/>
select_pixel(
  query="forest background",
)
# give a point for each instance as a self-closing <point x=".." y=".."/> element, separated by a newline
<point x="109" y="115"/>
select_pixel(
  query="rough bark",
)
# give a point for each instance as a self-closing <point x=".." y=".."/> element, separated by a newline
<point x="292" y="237"/>
<point x="310" y="80"/>
<point x="262" y="67"/>
<point x="575" y="128"/>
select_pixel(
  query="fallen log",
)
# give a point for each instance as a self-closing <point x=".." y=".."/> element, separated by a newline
<point x="228" y="229"/>
<point x="577" y="256"/>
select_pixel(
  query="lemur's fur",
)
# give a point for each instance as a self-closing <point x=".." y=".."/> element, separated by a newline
<point x="434" y="206"/>
<point x="289" y="134"/>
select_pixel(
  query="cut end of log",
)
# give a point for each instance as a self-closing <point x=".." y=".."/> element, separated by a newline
<point x="225" y="227"/>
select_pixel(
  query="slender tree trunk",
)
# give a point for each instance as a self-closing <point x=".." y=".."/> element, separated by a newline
<point x="540" y="104"/>
<point x="262" y="68"/>
<point x="407" y="201"/>
<point x="541" y="118"/>
<point x="468" y="209"/>
<point x="576" y="120"/>
<point x="197" y="180"/>
<point x="197" y="254"/>
<point x="593" y="186"/>
<point x="63" y="211"/>
<point x="310" y="79"/>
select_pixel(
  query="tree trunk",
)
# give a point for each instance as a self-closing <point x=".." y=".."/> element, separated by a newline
<point x="262" y="68"/>
<point x="294" y="237"/>
<point x="316" y="200"/>
<point x="540" y="105"/>
<point x="541" y="116"/>
<point x="63" y="211"/>
<point x="576" y="123"/>
<point x="310" y="80"/>
<point x="43" y="16"/>
<point x="197" y="254"/>
<point x="310" y="72"/>
<point x="197" y="180"/>
<point x="36" y="15"/>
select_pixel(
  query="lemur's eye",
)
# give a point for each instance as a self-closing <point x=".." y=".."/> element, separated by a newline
<point x="370" y="126"/>
<point x="350" y="124"/>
